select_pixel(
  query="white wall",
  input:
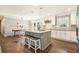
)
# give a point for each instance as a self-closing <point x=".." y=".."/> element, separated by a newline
<point x="10" y="23"/>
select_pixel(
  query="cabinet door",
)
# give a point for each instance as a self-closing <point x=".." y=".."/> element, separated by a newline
<point x="59" y="34"/>
<point x="63" y="35"/>
<point x="73" y="18"/>
<point x="53" y="34"/>
<point x="73" y="36"/>
<point x="68" y="36"/>
<point x="53" y="20"/>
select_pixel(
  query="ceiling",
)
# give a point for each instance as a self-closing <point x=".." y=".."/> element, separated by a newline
<point x="31" y="10"/>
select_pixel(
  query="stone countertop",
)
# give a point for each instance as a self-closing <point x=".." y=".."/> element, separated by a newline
<point x="64" y="29"/>
<point x="40" y="31"/>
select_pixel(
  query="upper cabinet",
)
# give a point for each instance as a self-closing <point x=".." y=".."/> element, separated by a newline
<point x="53" y="20"/>
<point x="49" y="20"/>
<point x="73" y="18"/>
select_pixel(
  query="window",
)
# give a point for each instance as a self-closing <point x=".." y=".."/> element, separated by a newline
<point x="63" y="21"/>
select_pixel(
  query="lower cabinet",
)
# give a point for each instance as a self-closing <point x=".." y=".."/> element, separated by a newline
<point x="68" y="36"/>
<point x="64" y="35"/>
<point x="54" y="33"/>
<point x="73" y="36"/>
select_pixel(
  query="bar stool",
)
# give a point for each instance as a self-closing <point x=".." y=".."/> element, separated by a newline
<point x="35" y="43"/>
<point x="27" y="40"/>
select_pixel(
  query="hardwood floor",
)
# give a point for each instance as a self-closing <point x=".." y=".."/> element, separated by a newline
<point x="11" y="45"/>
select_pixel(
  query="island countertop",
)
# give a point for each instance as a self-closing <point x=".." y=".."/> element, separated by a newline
<point x="40" y="31"/>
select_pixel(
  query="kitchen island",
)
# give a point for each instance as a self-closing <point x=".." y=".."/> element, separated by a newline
<point x="45" y="37"/>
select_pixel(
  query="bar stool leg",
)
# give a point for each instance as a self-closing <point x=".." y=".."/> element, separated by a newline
<point x="29" y="43"/>
<point x="39" y="44"/>
<point x="35" y="46"/>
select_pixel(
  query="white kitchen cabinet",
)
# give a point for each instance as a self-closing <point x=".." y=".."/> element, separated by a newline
<point x="64" y="35"/>
<point x="68" y="36"/>
<point x="73" y="18"/>
<point x="57" y="35"/>
<point x="53" y="20"/>
<point x="61" y="35"/>
<point x="54" y="33"/>
<point x="73" y="36"/>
